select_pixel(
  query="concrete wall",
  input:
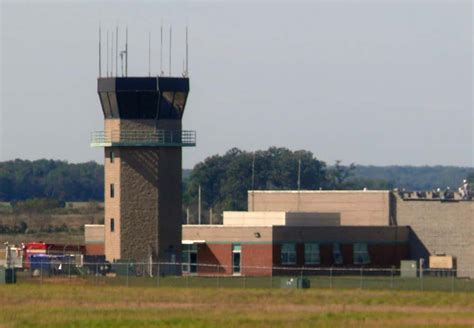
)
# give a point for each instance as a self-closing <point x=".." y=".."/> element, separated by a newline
<point x="440" y="227"/>
<point x="355" y="207"/>
<point x="139" y="203"/>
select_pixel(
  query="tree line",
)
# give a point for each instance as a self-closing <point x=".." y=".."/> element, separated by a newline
<point x="225" y="179"/>
<point x="60" y="180"/>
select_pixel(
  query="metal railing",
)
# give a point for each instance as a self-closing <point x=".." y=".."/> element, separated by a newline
<point x="153" y="138"/>
<point x="165" y="274"/>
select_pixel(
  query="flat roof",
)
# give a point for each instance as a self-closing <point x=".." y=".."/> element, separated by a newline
<point x="318" y="191"/>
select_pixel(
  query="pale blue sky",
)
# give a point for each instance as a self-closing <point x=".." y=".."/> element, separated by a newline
<point x="379" y="82"/>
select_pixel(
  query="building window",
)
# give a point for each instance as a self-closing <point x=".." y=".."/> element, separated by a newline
<point x="112" y="225"/>
<point x="361" y="253"/>
<point x="288" y="254"/>
<point x="112" y="190"/>
<point x="236" y="259"/>
<point x="337" y="254"/>
<point x="189" y="258"/>
<point x="311" y="254"/>
<point x="112" y="156"/>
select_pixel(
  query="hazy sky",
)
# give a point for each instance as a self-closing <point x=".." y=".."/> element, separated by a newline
<point x="379" y="82"/>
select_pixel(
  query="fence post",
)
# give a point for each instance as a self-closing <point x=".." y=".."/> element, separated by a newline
<point x="452" y="281"/>
<point x="391" y="278"/>
<point x="421" y="273"/>
<point x="361" y="277"/>
<point x="127" y="272"/>
<point x="41" y="272"/>
<point x="69" y="267"/>
<point x="244" y="281"/>
<point x="96" y="272"/>
<point x="330" y="277"/>
<point x="157" y="274"/>
<point x="422" y="277"/>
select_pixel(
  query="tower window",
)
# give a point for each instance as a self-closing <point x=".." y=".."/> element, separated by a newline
<point x="112" y="225"/>
<point x="112" y="190"/>
<point x="112" y="156"/>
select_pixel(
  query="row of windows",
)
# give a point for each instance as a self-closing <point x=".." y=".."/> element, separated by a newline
<point x="312" y="254"/>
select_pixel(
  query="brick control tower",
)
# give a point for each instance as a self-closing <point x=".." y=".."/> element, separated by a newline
<point x="142" y="142"/>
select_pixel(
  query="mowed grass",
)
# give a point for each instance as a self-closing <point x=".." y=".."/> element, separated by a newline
<point x="82" y="305"/>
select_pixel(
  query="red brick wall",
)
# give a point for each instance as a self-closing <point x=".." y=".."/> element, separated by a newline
<point x="95" y="249"/>
<point x="215" y="254"/>
<point x="256" y="259"/>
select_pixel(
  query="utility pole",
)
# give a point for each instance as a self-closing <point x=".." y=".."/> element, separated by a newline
<point x="199" y="204"/>
<point x="253" y="181"/>
<point x="253" y="171"/>
<point x="299" y="174"/>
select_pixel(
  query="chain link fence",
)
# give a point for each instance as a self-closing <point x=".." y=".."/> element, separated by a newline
<point x="219" y="276"/>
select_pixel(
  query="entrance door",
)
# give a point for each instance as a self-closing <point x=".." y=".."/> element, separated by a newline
<point x="236" y="259"/>
<point x="193" y="262"/>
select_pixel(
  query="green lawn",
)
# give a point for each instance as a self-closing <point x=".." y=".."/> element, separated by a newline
<point x="447" y="284"/>
<point x="82" y="304"/>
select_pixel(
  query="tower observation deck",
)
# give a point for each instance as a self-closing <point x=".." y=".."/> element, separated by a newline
<point x="142" y="140"/>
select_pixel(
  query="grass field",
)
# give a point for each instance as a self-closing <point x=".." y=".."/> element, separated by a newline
<point x="84" y="305"/>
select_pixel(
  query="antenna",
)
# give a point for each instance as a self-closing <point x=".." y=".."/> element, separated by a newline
<point x="100" y="55"/>
<point x="112" y="54"/>
<point x="116" y="50"/>
<point x="186" y="71"/>
<point x="149" y="53"/>
<point x="121" y="60"/>
<point x="126" y="51"/>
<point x="107" y="58"/>
<point x="161" y="49"/>
<point x="171" y="35"/>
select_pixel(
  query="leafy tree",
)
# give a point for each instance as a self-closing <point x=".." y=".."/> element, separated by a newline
<point x="338" y="175"/>
<point x="225" y="180"/>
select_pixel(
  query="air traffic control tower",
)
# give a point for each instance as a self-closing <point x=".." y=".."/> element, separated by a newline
<point x="142" y="142"/>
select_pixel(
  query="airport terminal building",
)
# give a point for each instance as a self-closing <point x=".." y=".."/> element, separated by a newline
<point x="294" y="229"/>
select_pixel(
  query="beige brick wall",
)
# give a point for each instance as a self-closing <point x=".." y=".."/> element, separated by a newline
<point x="141" y="125"/>
<point x="220" y="233"/>
<point x="355" y="207"/>
<point x="440" y="227"/>
<point x="94" y="233"/>
<point x="112" y="205"/>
